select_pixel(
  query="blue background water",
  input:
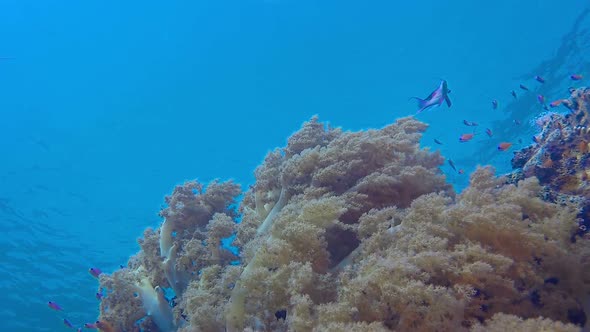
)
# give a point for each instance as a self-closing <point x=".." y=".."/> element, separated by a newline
<point x="106" y="105"/>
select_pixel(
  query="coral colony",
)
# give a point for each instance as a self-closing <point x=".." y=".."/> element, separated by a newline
<point x="359" y="231"/>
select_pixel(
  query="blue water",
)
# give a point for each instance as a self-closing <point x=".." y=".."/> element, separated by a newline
<point x="106" y="105"/>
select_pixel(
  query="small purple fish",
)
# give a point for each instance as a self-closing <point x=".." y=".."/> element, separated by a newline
<point x="68" y="323"/>
<point x="90" y="325"/>
<point x="576" y="77"/>
<point x="494" y="104"/>
<point x="541" y="99"/>
<point x="540" y="79"/>
<point x="524" y="87"/>
<point x="489" y="132"/>
<point x="436" y="98"/>
<point x="98" y="296"/>
<point x="54" y="306"/>
<point x="95" y="272"/>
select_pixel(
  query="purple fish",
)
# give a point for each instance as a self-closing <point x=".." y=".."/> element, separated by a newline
<point x="90" y="325"/>
<point x="436" y="98"/>
<point x="54" y="306"/>
<point x="95" y="272"/>
<point x="68" y="323"/>
<point x="99" y="296"/>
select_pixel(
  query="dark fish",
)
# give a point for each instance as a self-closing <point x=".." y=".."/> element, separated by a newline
<point x="452" y="164"/>
<point x="540" y="79"/>
<point x="437" y="142"/>
<point x="494" y="104"/>
<point x="489" y="132"/>
<point x="68" y="323"/>
<point x="436" y="98"/>
<point x="516" y="122"/>
<point x="281" y="314"/>
<point x="541" y="99"/>
<point x="523" y="87"/>
<point x="513" y="93"/>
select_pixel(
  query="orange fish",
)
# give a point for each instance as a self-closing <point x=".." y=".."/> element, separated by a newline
<point x="104" y="326"/>
<point x="504" y="146"/>
<point x="548" y="163"/>
<point x="556" y="103"/>
<point x="465" y="137"/>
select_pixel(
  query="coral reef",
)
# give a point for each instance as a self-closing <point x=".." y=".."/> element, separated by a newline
<point x="450" y="265"/>
<point x="560" y="157"/>
<point x="356" y="231"/>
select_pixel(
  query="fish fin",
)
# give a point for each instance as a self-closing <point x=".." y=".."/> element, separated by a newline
<point x="448" y="101"/>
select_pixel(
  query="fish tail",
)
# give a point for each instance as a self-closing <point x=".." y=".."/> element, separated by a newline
<point x="421" y="104"/>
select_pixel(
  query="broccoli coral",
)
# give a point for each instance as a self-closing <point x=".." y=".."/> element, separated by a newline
<point x="355" y="231"/>
<point x="326" y="179"/>
<point x="498" y="248"/>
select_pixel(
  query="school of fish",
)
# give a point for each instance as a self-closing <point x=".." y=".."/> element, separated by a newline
<point x="441" y="94"/>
